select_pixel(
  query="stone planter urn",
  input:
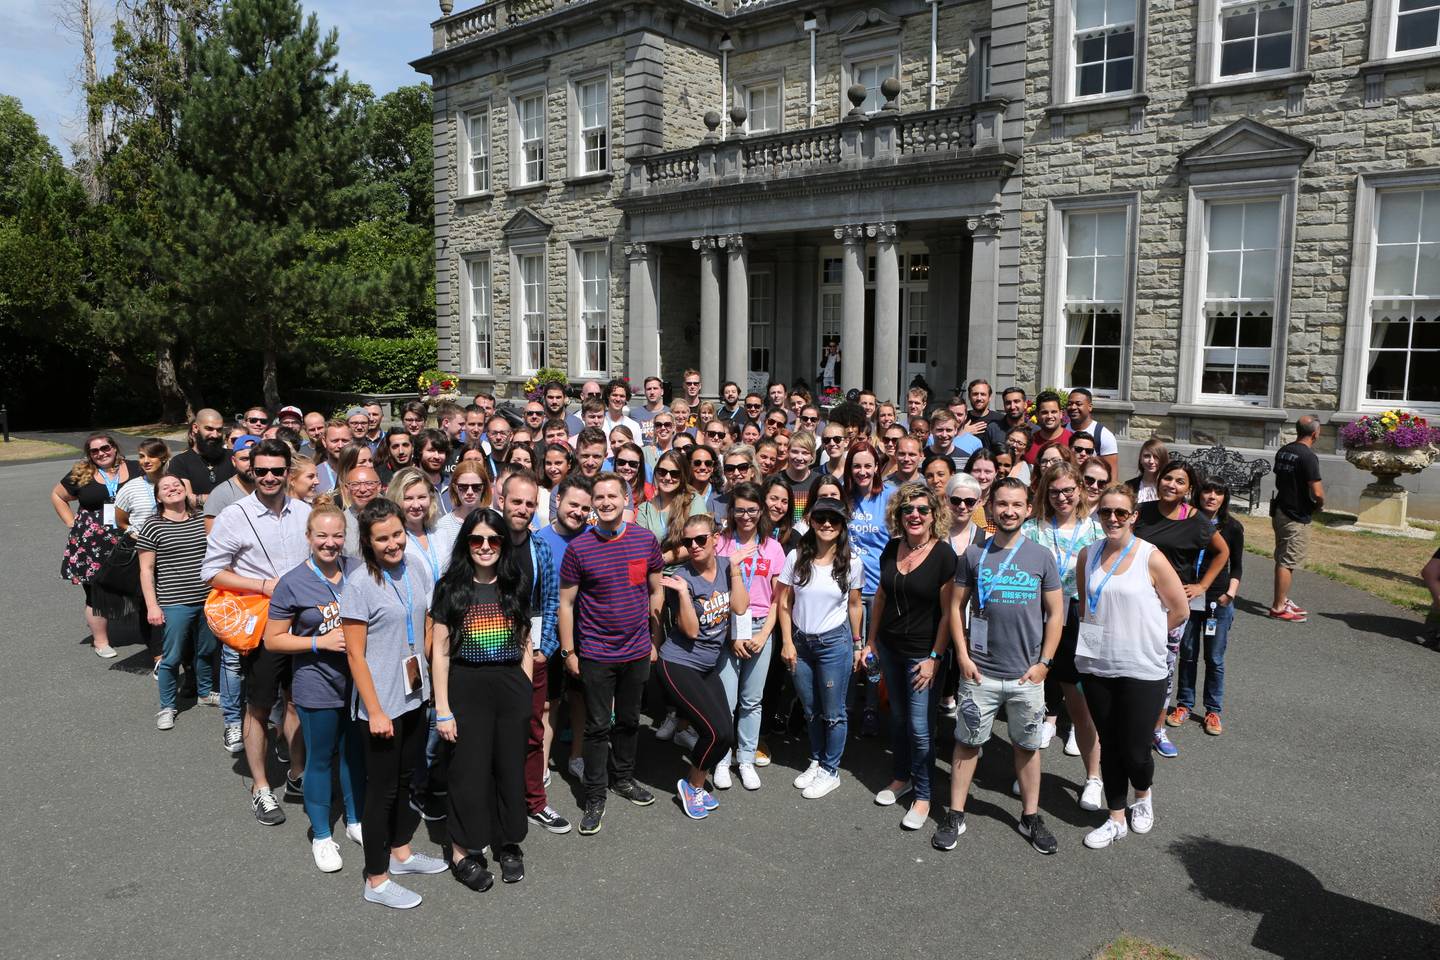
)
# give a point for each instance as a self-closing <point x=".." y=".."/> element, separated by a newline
<point x="1383" y="504"/>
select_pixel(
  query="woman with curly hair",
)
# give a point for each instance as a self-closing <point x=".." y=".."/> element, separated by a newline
<point x="84" y="500"/>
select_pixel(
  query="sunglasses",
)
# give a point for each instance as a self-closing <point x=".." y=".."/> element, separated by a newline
<point x="281" y="471"/>
<point x="665" y="473"/>
<point x="534" y="413"/>
<point x="707" y="464"/>
<point x="804" y="419"/>
<point x="716" y="434"/>
<point x="826" y="520"/>
<point x="264" y="420"/>
<point x="632" y="464"/>
<point x="692" y="383"/>
<point x="833" y="440"/>
<point x="920" y="508"/>
<point x="967" y="502"/>
<point x="777" y="422"/>
<point x="1094" y="482"/>
<point x="736" y="467"/>
<point x="1119" y="513"/>
<point x="490" y="540"/>
<point x="753" y="406"/>
<point x="664" y="425"/>
<point x="1088" y="451"/>
<point x="470" y="487"/>
<point x="106" y="448"/>
<point x="696" y="541"/>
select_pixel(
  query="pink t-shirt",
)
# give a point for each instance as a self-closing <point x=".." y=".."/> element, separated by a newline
<point x="758" y="571"/>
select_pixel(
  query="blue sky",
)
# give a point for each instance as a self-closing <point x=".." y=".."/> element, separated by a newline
<point x="40" y="59"/>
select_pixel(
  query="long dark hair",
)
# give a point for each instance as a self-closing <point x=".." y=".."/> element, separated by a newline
<point x="780" y="531"/>
<point x="457" y="591"/>
<point x="809" y="546"/>
<point x="853" y="493"/>
<point x="375" y="512"/>
<point x="1216" y="485"/>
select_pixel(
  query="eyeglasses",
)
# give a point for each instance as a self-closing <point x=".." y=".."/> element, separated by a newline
<point x="281" y="471"/>
<point x="736" y="467"/>
<point x="1067" y="493"/>
<point x="1094" y="482"/>
<point x="1119" y="513"/>
<point x="699" y="540"/>
<point x="352" y="485"/>
<point x="631" y="464"/>
<point x="921" y="508"/>
<point x="103" y="448"/>
<point x="692" y="383"/>
<point x="707" y="464"/>
<point x="490" y="540"/>
<point x="839" y="439"/>
<point x="967" y="502"/>
<point x="825" y="520"/>
<point x="745" y="512"/>
<point x="665" y="473"/>
<point x="469" y="487"/>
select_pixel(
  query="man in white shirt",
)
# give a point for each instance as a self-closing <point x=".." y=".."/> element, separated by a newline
<point x="1078" y="407"/>
<point x="617" y="395"/>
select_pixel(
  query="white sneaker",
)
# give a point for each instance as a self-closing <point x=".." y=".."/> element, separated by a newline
<point x="824" y="782"/>
<point x="1072" y="748"/>
<point x="1047" y="733"/>
<point x="749" y="779"/>
<point x="165" y="719"/>
<point x="1142" y="815"/>
<point x="1105" y="834"/>
<point x="577" y="767"/>
<point x="687" y="738"/>
<point x="1015" y="788"/>
<point x="1092" y="795"/>
<point x="352" y="830"/>
<point x="805" y="778"/>
<point x="666" y="730"/>
<point x="722" y="777"/>
<point x="327" y="855"/>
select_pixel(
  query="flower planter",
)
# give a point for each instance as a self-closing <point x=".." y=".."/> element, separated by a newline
<point x="1384" y="503"/>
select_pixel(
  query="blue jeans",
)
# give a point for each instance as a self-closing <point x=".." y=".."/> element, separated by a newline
<point x="181" y="620"/>
<point x="328" y="732"/>
<point x="912" y="718"/>
<point x="232" y="686"/>
<point x="822" y="672"/>
<point x="1214" y="658"/>
<point x="744" y="682"/>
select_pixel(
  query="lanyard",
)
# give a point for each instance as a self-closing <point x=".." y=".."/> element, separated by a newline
<point x="1093" y="593"/>
<point x="1070" y="548"/>
<point x="310" y="562"/>
<point x="112" y="484"/>
<point x="982" y="595"/>
<point x="747" y="578"/>
<point x="430" y="556"/>
<point x="1200" y="560"/>
<point x="408" y="600"/>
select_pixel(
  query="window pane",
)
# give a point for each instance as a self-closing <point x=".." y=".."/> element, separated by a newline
<point x="1119" y="75"/>
<point x="1276" y="19"/>
<point x="1227" y="223"/>
<point x="1080" y="279"/>
<point x="1427" y="273"/>
<point x="1110" y="279"/>
<point x="1091" y="80"/>
<point x="1237" y="58"/>
<point x="1386" y="378"/>
<point x="1222" y="276"/>
<point x="1399" y="220"/>
<point x="1426" y="336"/>
<point x="1256" y="330"/>
<point x="1080" y="368"/>
<point x="1416" y="31"/>
<point x="1080" y="234"/>
<point x="1221" y="330"/>
<point x="1273" y="53"/>
<point x="1234" y="26"/>
<point x="1122" y="44"/>
<point x="1089" y="13"/>
<point x="1430" y="219"/>
<point x="1108" y="326"/>
<point x="1262" y="225"/>
<point x="1092" y="49"/>
<point x="1394" y="270"/>
<point x="1107" y="370"/>
<point x="1258" y="278"/>
<point x="1110" y="234"/>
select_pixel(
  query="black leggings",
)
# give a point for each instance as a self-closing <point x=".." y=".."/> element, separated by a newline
<point x="700" y="697"/>
<point x="1124" y="711"/>
<point x="491" y="704"/>
<point x="389" y="820"/>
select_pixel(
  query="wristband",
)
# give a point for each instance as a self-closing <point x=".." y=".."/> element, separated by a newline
<point x="314" y="647"/>
<point x="445" y="719"/>
<point x="934" y="655"/>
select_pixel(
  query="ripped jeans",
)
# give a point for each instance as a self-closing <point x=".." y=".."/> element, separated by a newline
<point x="980" y="702"/>
<point x="822" y="674"/>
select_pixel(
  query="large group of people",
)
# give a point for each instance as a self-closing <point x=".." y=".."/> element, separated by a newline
<point x="440" y="616"/>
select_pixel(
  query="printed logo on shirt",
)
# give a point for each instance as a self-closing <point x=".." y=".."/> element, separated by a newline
<point x="1014" y="587"/>
<point x="714" y="609"/>
<point x="329" y="616"/>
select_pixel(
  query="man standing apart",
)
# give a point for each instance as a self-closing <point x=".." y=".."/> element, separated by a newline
<point x="1004" y="656"/>
<point x="608" y="579"/>
<point x="1299" y="494"/>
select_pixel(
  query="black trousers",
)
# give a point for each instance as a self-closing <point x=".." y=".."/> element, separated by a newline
<point x="610" y="746"/>
<point x="388" y="820"/>
<point x="1124" y="711"/>
<point x="491" y="704"/>
<point x="700" y="697"/>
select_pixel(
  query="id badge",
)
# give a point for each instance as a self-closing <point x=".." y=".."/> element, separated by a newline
<point x="412" y="674"/>
<point x="1089" y="640"/>
<point x="979" y="634"/>
<point x="741" y="626"/>
<point x="1198" y="603"/>
<point x="1211" y="626"/>
<point x="108" y="515"/>
<point x="537" y="629"/>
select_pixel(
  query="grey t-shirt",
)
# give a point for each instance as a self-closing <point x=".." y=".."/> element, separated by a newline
<point x="711" y="599"/>
<point x="352" y="534"/>
<point x="1013" y="603"/>
<point x="222" y="496"/>
<point x="381" y="606"/>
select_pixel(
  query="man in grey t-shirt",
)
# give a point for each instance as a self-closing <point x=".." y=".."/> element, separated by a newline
<point x="1010" y="587"/>
<point x="239" y="486"/>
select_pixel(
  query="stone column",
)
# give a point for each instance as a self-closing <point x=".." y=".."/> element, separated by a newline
<point x="737" y="310"/>
<point x="852" y="308"/>
<point x="709" y="314"/>
<point x="644" y="345"/>
<point x="806" y="319"/>
<point x="888" y="335"/>
<point x="984" y="295"/>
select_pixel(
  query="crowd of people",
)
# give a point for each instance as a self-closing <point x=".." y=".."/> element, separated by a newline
<point x="439" y="613"/>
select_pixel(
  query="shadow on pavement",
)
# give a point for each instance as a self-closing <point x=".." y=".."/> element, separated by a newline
<point x="1397" y="628"/>
<point x="1299" y="918"/>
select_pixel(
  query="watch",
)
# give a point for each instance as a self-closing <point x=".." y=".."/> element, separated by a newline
<point x="566" y="653"/>
<point x="934" y="655"/>
<point x="1046" y="661"/>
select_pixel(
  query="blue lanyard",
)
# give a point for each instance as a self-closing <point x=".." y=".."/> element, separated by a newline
<point x="746" y="578"/>
<point x="1093" y="593"/>
<point x="112" y="484"/>
<point x="1070" y="548"/>
<point x="982" y="596"/>
<point x="430" y="557"/>
<point x="1200" y="560"/>
<point x="408" y="600"/>
<point x="310" y="562"/>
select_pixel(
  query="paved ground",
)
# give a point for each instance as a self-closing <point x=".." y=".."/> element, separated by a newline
<point x="1308" y="830"/>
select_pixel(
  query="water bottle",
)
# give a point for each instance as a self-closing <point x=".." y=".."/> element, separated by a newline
<point x="872" y="668"/>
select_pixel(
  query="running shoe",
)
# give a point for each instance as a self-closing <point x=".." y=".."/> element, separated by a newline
<point x="545" y="780"/>
<point x="211" y="699"/>
<point x="1163" y="746"/>
<point x="1177" y="717"/>
<point x="266" y="807"/>
<point x="824" y="783"/>
<point x="722" y="776"/>
<point x="708" y="798"/>
<point x="807" y="775"/>
<point x="470" y="870"/>
<point x="1287" y="614"/>
<point x="632" y="791"/>
<point x="550" y="820"/>
<point x="1213" y="726"/>
<point x="294" y="789"/>
<point x="948" y="828"/>
<point x="282" y="747"/>
<point x="165" y="719"/>
<point x="1294" y="607"/>
<point x="691" y="800"/>
<point x="576" y="766"/>
<point x="1106" y="834"/>
<point x="686" y="739"/>
<point x="430" y="807"/>
<point x="354" y="832"/>
<point x="590" y="819"/>
<point x="327" y="855"/>
<point x="1142" y="814"/>
<point x="512" y="865"/>
<point x="155" y="671"/>
<point x="762" y="755"/>
<point x="391" y="894"/>
<point x="749" y="779"/>
<point x="666" y="730"/>
<point x="1072" y="746"/>
<point x="1092" y="795"/>
<point x="1032" y="828"/>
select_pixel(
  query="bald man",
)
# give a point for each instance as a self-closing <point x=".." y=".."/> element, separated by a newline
<point x="206" y="464"/>
<point x="361" y="486"/>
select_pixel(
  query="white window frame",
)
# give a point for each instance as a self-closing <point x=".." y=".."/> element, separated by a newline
<point x="1055" y="335"/>
<point x="760" y="318"/>
<point x="478" y="323"/>
<point x="580" y="317"/>
<point x="981" y="60"/>
<point x="1385" y="31"/>
<point x="465" y="147"/>
<point x="1208" y="44"/>
<point x="1354" y="374"/>
<point x="744" y="91"/>
<point x="1193" y="327"/>
<point x="1244" y="252"/>
<point x="520" y="317"/>
<point x="1071" y="77"/>
<point x="915" y="286"/>
<point x="520" y="177"/>
<point x="580" y="164"/>
<point x="1063" y="60"/>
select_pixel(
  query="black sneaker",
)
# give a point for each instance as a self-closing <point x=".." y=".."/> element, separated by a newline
<point x="951" y="824"/>
<point x="1032" y="828"/>
<point x="266" y="807"/>
<point x="590" y="820"/>
<point x="633" y="792"/>
<point x="430" y="807"/>
<point x="548" y="819"/>
<point x="512" y="865"/>
<point x="294" y="789"/>
<point x="471" y="872"/>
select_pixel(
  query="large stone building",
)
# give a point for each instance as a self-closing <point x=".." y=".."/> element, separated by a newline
<point x="1214" y="213"/>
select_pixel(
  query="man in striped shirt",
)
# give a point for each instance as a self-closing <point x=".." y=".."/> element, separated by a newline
<point x="607" y="579"/>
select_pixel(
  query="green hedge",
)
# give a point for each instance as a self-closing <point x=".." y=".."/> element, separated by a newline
<point x="370" y="364"/>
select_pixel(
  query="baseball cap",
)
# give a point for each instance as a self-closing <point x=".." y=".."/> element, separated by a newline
<point x="355" y="412"/>
<point x="244" y="442"/>
<point x="829" y="505"/>
<point x="295" y="410"/>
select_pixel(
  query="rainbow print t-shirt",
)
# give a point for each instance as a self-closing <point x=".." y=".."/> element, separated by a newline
<point x="487" y="635"/>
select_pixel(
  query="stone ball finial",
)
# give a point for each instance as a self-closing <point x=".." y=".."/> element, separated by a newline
<point x="712" y="120"/>
<point x="890" y="89"/>
<point x="738" y="114"/>
<point x="446" y="7"/>
<point x="857" y="94"/>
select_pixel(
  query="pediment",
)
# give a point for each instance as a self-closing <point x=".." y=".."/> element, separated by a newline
<point x="1246" y="144"/>
<point x="526" y="225"/>
<point x="864" y="23"/>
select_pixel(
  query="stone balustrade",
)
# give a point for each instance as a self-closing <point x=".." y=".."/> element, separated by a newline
<point x="497" y="15"/>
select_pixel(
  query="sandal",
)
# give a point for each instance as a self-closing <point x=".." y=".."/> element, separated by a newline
<point x="471" y="872"/>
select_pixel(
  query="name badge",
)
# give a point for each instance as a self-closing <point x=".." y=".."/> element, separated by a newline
<point x="979" y="634"/>
<point x="537" y="627"/>
<point x="1089" y="640"/>
<point x="1198" y="603"/>
<point x="741" y="626"/>
<point x="1212" y="626"/>
<point x="413" y="681"/>
<point x="108" y="517"/>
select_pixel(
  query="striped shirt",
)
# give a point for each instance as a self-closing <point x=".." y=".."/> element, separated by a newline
<point x="179" y="548"/>
<point x="612" y="622"/>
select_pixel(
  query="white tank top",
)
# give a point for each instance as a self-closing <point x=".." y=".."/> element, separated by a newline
<point x="1134" y="619"/>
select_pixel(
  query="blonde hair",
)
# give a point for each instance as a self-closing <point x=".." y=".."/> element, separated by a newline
<point x="323" y="507"/>
<point x="404" y="479"/>
<point x="939" y="510"/>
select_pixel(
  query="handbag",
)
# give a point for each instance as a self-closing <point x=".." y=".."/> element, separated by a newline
<point x="115" y="588"/>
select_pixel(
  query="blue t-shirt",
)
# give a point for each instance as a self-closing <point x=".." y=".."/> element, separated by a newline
<point x="557" y="542"/>
<point x="869" y="535"/>
<point x="312" y="605"/>
<point x="711" y="600"/>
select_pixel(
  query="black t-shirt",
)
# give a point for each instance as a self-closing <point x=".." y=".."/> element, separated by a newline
<point x="94" y="495"/>
<point x="912" y="601"/>
<point x="1181" y="541"/>
<point x="1234" y="535"/>
<point x="1296" y="467"/>
<point x="203" y="475"/>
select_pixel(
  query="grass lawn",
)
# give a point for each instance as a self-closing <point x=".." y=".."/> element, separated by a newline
<point x="18" y="449"/>
<point x="1127" y="947"/>
<point x="164" y="430"/>
<point x="1386" y="567"/>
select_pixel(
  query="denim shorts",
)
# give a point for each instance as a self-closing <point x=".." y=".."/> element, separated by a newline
<point x="980" y="702"/>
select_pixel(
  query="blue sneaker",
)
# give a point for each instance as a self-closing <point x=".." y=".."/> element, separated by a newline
<point x="692" y="801"/>
<point x="707" y="798"/>
<point x="1163" y="746"/>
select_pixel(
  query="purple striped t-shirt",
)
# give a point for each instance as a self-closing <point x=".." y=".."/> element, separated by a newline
<point x="612" y="621"/>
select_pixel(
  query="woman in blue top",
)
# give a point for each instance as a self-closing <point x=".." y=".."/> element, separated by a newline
<point x="411" y="491"/>
<point x="867" y="495"/>
<point x="305" y="621"/>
